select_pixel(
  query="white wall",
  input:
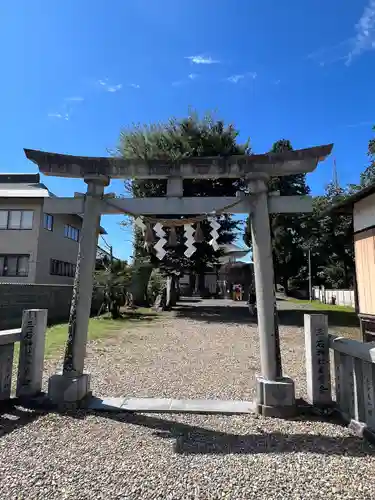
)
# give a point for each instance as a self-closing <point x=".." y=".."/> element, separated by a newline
<point x="364" y="213"/>
<point x="343" y="297"/>
<point x="21" y="241"/>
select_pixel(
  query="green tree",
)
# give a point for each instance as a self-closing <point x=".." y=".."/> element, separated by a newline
<point x="287" y="230"/>
<point x="175" y="140"/>
<point x="368" y="175"/>
<point x="331" y="240"/>
<point x="114" y="275"/>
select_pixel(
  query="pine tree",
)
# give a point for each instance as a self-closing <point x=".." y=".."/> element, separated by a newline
<point x="175" y="140"/>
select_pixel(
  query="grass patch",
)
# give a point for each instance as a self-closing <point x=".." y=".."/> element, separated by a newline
<point x="99" y="328"/>
<point x="342" y="320"/>
<point x="322" y="307"/>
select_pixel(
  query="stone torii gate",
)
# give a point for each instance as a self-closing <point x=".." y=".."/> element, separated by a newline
<point x="275" y="393"/>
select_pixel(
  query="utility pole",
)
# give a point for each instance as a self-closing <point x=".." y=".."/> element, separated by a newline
<point x="310" y="275"/>
<point x="111" y="258"/>
<point x="110" y="274"/>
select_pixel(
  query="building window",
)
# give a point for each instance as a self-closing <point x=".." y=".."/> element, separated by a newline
<point x="14" y="265"/>
<point x="16" y="219"/>
<point x="48" y="222"/>
<point x="71" y="232"/>
<point x="60" y="268"/>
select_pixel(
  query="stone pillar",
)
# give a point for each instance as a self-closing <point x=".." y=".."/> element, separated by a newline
<point x="275" y="394"/>
<point x="31" y="356"/>
<point x="318" y="374"/>
<point x="73" y="384"/>
<point x="6" y="366"/>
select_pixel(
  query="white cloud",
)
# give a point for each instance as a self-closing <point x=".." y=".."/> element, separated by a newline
<point x="347" y="50"/>
<point x="200" y="59"/>
<point x="178" y="83"/>
<point x="60" y="116"/>
<point x="108" y="87"/>
<point x="235" y="78"/>
<point x="134" y="85"/>
<point x="330" y="55"/>
<point x="114" y="88"/>
<point x="361" y="124"/>
<point x="75" y="99"/>
<point x="365" y="33"/>
<point x="64" y="111"/>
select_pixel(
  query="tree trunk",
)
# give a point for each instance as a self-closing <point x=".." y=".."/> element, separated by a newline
<point x="178" y="290"/>
<point x="139" y="284"/>
<point x="285" y="285"/>
<point x="173" y="300"/>
<point x="171" y="295"/>
<point x="115" y="309"/>
<point x="201" y="283"/>
<point x="191" y="282"/>
<point x="346" y="285"/>
<point x="168" y="287"/>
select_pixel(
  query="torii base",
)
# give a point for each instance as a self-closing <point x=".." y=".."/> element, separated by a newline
<point x="69" y="391"/>
<point x="276" y="398"/>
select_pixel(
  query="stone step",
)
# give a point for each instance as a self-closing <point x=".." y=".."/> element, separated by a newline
<point x="167" y="405"/>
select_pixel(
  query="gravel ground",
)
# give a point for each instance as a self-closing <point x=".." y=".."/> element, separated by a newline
<point x="120" y="456"/>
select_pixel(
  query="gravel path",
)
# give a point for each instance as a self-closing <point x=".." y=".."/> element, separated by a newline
<point x="124" y="456"/>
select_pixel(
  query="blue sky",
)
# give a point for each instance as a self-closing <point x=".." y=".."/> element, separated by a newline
<point x="75" y="72"/>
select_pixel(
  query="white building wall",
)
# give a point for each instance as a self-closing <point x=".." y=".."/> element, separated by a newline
<point x="364" y="213"/>
<point x="21" y="241"/>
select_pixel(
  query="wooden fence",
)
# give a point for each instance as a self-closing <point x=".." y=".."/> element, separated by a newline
<point x="31" y="339"/>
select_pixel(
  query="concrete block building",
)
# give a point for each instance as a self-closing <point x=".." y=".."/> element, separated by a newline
<point x="35" y="246"/>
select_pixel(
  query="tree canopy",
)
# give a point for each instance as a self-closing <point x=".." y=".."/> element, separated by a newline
<point x="368" y="175"/>
<point x="287" y="233"/>
<point x="177" y="139"/>
<point x="328" y="237"/>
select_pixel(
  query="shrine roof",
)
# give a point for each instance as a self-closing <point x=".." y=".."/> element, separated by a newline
<point x="286" y="163"/>
<point x="346" y="206"/>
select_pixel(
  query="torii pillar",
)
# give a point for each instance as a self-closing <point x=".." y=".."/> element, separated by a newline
<point x="73" y="384"/>
<point x="275" y="393"/>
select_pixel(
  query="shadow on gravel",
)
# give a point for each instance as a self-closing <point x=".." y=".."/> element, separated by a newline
<point x="14" y="417"/>
<point x="215" y="314"/>
<point x="335" y="318"/>
<point x="348" y="321"/>
<point x="133" y="316"/>
<point x="340" y="322"/>
<point x="194" y="440"/>
<point x="190" y="299"/>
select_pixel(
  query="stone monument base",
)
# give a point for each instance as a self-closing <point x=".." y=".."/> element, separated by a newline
<point x="69" y="390"/>
<point x="276" y="398"/>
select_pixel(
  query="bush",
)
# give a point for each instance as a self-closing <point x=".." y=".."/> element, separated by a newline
<point x="155" y="285"/>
